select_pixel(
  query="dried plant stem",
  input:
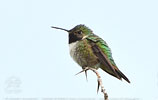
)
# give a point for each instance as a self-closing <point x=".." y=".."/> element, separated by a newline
<point x="100" y="83"/>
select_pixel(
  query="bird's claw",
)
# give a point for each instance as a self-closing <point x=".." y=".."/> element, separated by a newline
<point x="84" y="70"/>
<point x="86" y="74"/>
<point x="98" y="86"/>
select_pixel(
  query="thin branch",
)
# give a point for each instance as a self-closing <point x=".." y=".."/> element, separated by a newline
<point x="100" y="83"/>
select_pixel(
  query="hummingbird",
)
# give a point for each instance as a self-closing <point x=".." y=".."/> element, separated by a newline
<point x="91" y="51"/>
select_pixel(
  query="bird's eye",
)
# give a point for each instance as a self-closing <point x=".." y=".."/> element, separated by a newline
<point x="79" y="32"/>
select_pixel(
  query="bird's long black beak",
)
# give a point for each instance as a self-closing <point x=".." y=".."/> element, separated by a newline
<point x="60" y="28"/>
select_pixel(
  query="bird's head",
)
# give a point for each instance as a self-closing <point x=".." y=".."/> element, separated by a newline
<point x="77" y="33"/>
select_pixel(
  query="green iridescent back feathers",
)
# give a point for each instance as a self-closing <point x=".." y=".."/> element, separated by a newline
<point x="104" y="47"/>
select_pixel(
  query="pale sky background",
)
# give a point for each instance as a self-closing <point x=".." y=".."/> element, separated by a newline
<point x="35" y="60"/>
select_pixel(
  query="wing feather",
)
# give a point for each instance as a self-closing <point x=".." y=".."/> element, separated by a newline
<point x="103" y="52"/>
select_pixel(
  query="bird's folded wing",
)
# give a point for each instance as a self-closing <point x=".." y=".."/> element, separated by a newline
<point x="104" y="57"/>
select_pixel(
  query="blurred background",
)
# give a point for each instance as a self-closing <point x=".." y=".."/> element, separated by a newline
<point x="35" y="60"/>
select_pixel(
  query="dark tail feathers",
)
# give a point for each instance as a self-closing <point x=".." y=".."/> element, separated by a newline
<point x="122" y="75"/>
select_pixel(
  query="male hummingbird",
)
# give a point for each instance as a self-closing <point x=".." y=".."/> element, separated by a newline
<point x="91" y="51"/>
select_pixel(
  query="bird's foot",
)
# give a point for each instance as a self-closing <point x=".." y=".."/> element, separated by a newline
<point x="84" y="70"/>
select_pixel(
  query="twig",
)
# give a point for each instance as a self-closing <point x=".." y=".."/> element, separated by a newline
<point x="100" y="83"/>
